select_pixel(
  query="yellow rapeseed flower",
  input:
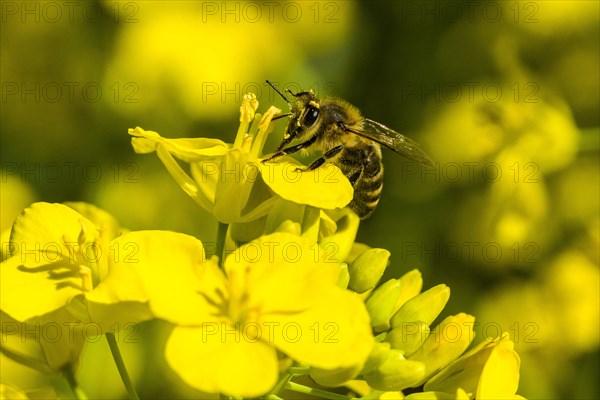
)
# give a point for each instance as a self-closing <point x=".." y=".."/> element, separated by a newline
<point x="231" y="181"/>
<point x="278" y="293"/>
<point x="75" y="269"/>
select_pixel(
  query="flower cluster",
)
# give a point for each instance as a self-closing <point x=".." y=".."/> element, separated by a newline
<point x="288" y="302"/>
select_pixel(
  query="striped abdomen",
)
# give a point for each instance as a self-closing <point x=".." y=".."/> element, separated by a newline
<point x="363" y="167"/>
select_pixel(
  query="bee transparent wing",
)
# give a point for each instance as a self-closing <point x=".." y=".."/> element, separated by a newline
<point x="393" y="140"/>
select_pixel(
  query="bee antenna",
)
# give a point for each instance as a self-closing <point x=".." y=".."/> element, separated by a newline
<point x="278" y="92"/>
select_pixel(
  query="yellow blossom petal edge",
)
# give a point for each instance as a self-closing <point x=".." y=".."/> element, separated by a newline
<point x="222" y="362"/>
<point x="43" y="273"/>
<point x="490" y="369"/>
<point x="189" y="150"/>
<point x="159" y="268"/>
<point x="333" y="334"/>
<point x="279" y="271"/>
<point x="325" y="187"/>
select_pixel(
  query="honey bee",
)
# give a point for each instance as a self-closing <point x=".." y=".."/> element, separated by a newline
<point x="348" y="140"/>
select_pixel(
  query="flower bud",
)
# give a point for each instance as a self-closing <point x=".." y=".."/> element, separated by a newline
<point x="445" y="343"/>
<point x="367" y="269"/>
<point x="381" y="304"/>
<point x="424" y="307"/>
<point x="334" y="377"/>
<point x="395" y="372"/>
<point x="376" y="357"/>
<point x="344" y="277"/>
<point x="408" y="336"/>
<point x="288" y="226"/>
<point x="412" y="283"/>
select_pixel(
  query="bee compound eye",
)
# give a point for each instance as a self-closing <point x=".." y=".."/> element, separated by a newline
<point x="311" y="116"/>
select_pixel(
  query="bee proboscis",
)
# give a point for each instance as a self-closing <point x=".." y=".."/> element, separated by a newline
<point x="348" y="140"/>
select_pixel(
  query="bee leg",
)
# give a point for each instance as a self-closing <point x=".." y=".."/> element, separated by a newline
<point x="318" y="162"/>
<point x="291" y="150"/>
<point x="354" y="175"/>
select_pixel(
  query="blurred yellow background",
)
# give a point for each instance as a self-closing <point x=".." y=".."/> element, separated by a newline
<point x="504" y="96"/>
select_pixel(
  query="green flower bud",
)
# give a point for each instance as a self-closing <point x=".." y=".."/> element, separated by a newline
<point x="344" y="277"/>
<point x="381" y="304"/>
<point x="367" y="269"/>
<point x="408" y="336"/>
<point x="356" y="250"/>
<point x="395" y="372"/>
<point x="424" y="307"/>
<point x="376" y="357"/>
<point x="445" y="343"/>
<point x="412" y="283"/>
<point x="289" y="226"/>
<point x="334" y="377"/>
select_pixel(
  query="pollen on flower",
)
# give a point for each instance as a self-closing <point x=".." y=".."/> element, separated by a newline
<point x="87" y="284"/>
<point x="248" y="107"/>
<point x="269" y="115"/>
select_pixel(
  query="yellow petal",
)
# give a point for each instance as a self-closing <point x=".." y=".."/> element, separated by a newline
<point x="42" y="275"/>
<point x="39" y="233"/>
<point x="332" y="334"/>
<point x="241" y="195"/>
<point x="100" y="218"/>
<point x="282" y="272"/>
<point x="10" y="392"/>
<point x="63" y="338"/>
<point x="325" y="187"/>
<point x="189" y="150"/>
<point x="339" y="244"/>
<point x="500" y="375"/>
<point x="27" y="294"/>
<point x="216" y="359"/>
<point x="490" y="369"/>
<point x="156" y="267"/>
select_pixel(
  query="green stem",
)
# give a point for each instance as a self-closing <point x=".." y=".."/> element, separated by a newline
<point x="116" y="353"/>
<point x="304" y="370"/>
<point x="316" y="392"/>
<point x="26" y="360"/>
<point x="281" y="384"/>
<point x="221" y="237"/>
<point x="70" y="377"/>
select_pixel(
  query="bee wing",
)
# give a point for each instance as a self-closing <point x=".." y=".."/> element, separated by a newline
<point x="393" y="140"/>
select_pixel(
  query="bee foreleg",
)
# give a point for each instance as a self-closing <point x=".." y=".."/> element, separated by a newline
<point x="318" y="162"/>
<point x="293" y="149"/>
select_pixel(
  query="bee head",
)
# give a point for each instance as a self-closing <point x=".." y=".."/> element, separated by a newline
<point x="304" y="115"/>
